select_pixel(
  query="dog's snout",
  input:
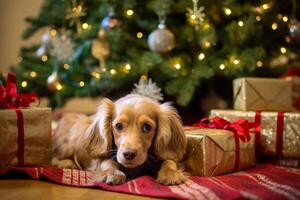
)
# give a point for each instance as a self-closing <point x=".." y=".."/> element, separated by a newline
<point x="130" y="154"/>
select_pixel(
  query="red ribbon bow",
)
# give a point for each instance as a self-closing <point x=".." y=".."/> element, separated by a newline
<point x="10" y="98"/>
<point x="240" y="128"/>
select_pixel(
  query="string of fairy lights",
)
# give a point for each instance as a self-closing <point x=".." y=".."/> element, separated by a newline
<point x="77" y="11"/>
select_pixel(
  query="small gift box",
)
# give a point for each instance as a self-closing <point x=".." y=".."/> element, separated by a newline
<point x="25" y="132"/>
<point x="212" y="152"/>
<point x="262" y="94"/>
<point x="278" y="134"/>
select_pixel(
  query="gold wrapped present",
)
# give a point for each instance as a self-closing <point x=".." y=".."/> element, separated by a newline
<point x="212" y="152"/>
<point x="262" y="94"/>
<point x="279" y="133"/>
<point x="25" y="137"/>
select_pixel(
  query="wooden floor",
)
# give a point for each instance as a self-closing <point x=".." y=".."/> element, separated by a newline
<point x="35" y="190"/>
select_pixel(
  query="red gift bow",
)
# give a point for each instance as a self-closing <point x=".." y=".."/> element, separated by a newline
<point x="240" y="128"/>
<point x="10" y="98"/>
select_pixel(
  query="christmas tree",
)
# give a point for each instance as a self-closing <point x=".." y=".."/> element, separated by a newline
<point x="187" y="47"/>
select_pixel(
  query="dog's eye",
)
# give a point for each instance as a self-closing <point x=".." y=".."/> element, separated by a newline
<point x="119" y="126"/>
<point x="146" y="128"/>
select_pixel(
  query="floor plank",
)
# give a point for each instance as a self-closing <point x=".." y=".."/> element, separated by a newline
<point x="30" y="189"/>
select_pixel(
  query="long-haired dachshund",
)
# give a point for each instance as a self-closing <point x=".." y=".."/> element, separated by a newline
<point x="135" y="133"/>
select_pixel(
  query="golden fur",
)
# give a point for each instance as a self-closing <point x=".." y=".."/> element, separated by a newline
<point x="135" y="124"/>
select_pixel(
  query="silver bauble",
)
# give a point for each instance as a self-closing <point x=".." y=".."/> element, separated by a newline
<point x="41" y="51"/>
<point x="161" y="40"/>
<point x="45" y="38"/>
<point x="294" y="29"/>
<point x="53" y="81"/>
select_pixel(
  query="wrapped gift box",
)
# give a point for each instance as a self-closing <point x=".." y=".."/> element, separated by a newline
<point x="212" y="152"/>
<point x="262" y="94"/>
<point x="25" y="137"/>
<point x="279" y="134"/>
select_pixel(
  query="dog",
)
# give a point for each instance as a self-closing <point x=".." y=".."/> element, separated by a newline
<point x="133" y="128"/>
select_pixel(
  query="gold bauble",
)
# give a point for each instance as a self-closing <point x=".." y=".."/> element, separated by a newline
<point x="100" y="49"/>
<point x="161" y="40"/>
<point x="53" y="81"/>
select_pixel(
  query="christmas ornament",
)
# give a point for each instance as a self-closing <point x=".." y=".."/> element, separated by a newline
<point x="196" y="15"/>
<point x="162" y="39"/>
<point x="41" y="51"/>
<point x="100" y="49"/>
<point x="294" y="29"/>
<point x="53" y="81"/>
<point x="110" y="21"/>
<point x="62" y="47"/>
<point x="45" y="41"/>
<point x="75" y="13"/>
<point x="147" y="88"/>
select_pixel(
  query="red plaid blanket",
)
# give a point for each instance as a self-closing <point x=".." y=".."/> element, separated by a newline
<point x="262" y="182"/>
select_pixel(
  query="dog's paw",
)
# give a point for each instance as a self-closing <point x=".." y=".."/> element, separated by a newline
<point x="111" y="177"/>
<point x="171" y="177"/>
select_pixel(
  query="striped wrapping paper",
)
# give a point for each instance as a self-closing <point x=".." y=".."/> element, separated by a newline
<point x="262" y="182"/>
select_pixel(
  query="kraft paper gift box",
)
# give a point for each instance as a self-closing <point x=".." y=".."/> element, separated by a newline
<point x="262" y="94"/>
<point x="25" y="137"/>
<point x="212" y="152"/>
<point x="279" y="133"/>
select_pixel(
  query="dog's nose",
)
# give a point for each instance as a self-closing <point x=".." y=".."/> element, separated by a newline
<point x="130" y="154"/>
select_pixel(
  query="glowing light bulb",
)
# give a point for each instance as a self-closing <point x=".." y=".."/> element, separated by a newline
<point x="258" y="18"/>
<point x="81" y="83"/>
<point x="58" y="86"/>
<point x="24" y="84"/>
<point x="139" y="35"/>
<point x="259" y="63"/>
<point x="222" y="67"/>
<point x="285" y="18"/>
<point x="66" y="66"/>
<point x="33" y="74"/>
<point x="201" y="56"/>
<point x="266" y="6"/>
<point x="127" y="66"/>
<point x="129" y="12"/>
<point x="236" y="61"/>
<point x="207" y="44"/>
<point x="44" y="58"/>
<point x="283" y="50"/>
<point x="113" y="71"/>
<point x="85" y="26"/>
<point x="177" y="66"/>
<point x="227" y="11"/>
<point x="274" y="26"/>
<point x="241" y="23"/>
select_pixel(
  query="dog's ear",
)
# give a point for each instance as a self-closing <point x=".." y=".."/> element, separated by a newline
<point x="170" y="142"/>
<point x="99" y="134"/>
